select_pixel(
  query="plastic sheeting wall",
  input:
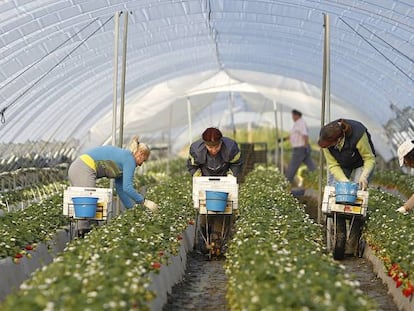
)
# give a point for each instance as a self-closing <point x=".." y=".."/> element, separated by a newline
<point x="56" y="64"/>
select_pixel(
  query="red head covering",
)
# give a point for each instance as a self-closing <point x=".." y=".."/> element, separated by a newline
<point x="212" y="136"/>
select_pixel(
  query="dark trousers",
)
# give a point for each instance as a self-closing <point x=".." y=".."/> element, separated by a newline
<point x="299" y="155"/>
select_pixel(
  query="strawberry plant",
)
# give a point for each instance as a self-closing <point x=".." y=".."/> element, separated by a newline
<point x="111" y="267"/>
<point x="389" y="233"/>
<point x="36" y="223"/>
<point x="277" y="258"/>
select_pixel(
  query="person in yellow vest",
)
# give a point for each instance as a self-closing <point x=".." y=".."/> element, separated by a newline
<point x="348" y="150"/>
<point x="350" y="156"/>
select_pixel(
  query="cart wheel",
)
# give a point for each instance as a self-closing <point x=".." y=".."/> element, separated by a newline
<point x="196" y="234"/>
<point x="340" y="242"/>
<point x="329" y="234"/>
<point x="201" y="245"/>
<point x="339" y="250"/>
<point x="361" y="247"/>
<point x="210" y="253"/>
<point x="336" y="239"/>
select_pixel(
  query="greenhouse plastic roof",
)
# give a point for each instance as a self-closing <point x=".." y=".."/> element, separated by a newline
<point x="225" y="61"/>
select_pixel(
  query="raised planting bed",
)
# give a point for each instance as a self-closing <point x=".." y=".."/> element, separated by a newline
<point x="35" y="224"/>
<point x="389" y="234"/>
<point x="277" y="259"/>
<point x="120" y="265"/>
<point x="15" y="270"/>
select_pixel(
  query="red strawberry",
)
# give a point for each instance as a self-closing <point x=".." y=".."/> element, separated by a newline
<point x="18" y="255"/>
<point x="407" y="292"/>
<point x="399" y="283"/>
<point x="156" y="265"/>
<point x="179" y="237"/>
<point x="29" y="247"/>
<point x="191" y="222"/>
<point x="161" y="253"/>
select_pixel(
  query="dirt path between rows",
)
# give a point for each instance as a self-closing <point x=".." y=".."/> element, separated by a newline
<point x="204" y="284"/>
<point x="202" y="288"/>
<point x="361" y="268"/>
<point x="370" y="284"/>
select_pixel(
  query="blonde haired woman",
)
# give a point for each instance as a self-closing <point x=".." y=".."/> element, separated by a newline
<point x="112" y="162"/>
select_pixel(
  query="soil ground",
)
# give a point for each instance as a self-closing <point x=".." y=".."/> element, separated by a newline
<point x="204" y="283"/>
<point x="202" y="288"/>
<point x="369" y="282"/>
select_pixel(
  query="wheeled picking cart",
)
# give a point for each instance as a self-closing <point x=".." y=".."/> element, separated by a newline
<point x="103" y="210"/>
<point x="214" y="227"/>
<point x="357" y="211"/>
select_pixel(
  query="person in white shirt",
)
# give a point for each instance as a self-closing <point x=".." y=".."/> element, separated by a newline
<point x="301" y="151"/>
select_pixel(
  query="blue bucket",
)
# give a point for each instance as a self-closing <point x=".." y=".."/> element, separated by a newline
<point x="216" y="201"/>
<point x="346" y="192"/>
<point x="85" y="206"/>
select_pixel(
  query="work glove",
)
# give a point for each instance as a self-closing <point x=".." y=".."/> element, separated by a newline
<point x="402" y="210"/>
<point x="153" y="207"/>
<point x="363" y="182"/>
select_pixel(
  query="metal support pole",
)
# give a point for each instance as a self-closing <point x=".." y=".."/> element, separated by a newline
<point x="328" y="70"/>
<point x="115" y="79"/>
<point x="276" y="134"/>
<point x="325" y="99"/>
<point x="282" y="150"/>
<point x="231" y="108"/>
<point x="115" y="97"/>
<point x="123" y="75"/>
<point x="190" y="134"/>
<point x="170" y="139"/>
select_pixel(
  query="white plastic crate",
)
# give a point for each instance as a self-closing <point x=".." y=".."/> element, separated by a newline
<point x="215" y="183"/>
<point x="104" y="196"/>
<point x="329" y="204"/>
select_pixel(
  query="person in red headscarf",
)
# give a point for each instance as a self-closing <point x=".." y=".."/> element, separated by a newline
<point x="214" y="155"/>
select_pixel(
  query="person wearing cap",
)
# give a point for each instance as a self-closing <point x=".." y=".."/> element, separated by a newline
<point x="301" y="151"/>
<point x="348" y="150"/>
<point x="115" y="163"/>
<point x="350" y="155"/>
<point x="214" y="155"/>
<point x="406" y="157"/>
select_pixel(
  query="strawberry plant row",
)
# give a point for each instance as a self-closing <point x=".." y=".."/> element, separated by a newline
<point x="12" y="200"/>
<point x="277" y="258"/>
<point x="389" y="234"/>
<point x="37" y="223"/>
<point x="111" y="267"/>
<point x="391" y="237"/>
